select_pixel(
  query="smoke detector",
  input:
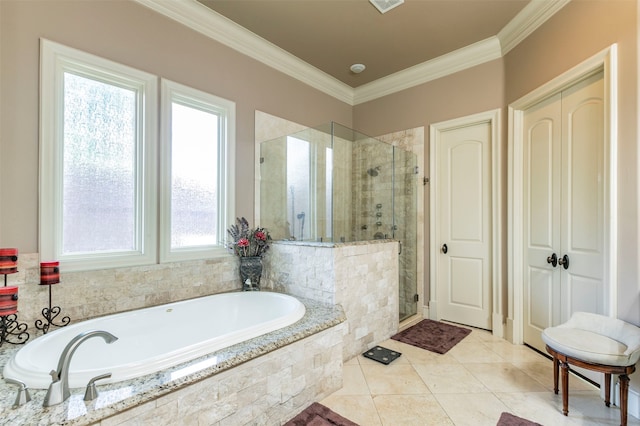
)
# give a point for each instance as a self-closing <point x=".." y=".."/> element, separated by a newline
<point x="386" y="5"/>
<point x="357" y="68"/>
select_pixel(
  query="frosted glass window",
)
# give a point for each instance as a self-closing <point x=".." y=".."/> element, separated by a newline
<point x="194" y="183"/>
<point x="98" y="161"/>
<point x="196" y="173"/>
<point x="99" y="207"/>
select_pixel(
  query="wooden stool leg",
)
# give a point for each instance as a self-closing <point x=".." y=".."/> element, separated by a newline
<point x="565" y="388"/>
<point x="607" y="389"/>
<point x="555" y="374"/>
<point x="624" y="398"/>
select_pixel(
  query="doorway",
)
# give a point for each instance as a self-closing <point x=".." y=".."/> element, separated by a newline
<point x="563" y="288"/>
<point x="464" y="156"/>
<point x="564" y="210"/>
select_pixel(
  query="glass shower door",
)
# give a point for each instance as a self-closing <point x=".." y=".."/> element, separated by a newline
<point x="405" y="229"/>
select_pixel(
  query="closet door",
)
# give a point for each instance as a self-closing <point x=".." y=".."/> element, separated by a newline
<point x="542" y="199"/>
<point x="583" y="199"/>
<point x="564" y="208"/>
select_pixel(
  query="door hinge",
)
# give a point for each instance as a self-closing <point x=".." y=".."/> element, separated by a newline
<point x="425" y="180"/>
<point x="416" y="297"/>
<point x="261" y="160"/>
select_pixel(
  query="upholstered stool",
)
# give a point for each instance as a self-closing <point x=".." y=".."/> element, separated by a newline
<point x="598" y="343"/>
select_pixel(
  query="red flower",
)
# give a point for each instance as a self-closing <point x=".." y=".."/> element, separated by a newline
<point x="260" y="236"/>
<point x="243" y="242"/>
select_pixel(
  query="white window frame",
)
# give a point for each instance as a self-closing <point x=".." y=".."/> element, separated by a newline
<point x="55" y="60"/>
<point x="226" y="110"/>
<point x="153" y="164"/>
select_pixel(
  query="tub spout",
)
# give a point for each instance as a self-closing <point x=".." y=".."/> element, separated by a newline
<point x="59" y="389"/>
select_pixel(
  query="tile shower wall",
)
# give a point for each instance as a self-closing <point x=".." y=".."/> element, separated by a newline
<point x="360" y="276"/>
<point x="88" y="294"/>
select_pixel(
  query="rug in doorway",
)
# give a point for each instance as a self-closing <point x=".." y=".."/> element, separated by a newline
<point x="508" y="419"/>
<point x="433" y="336"/>
<point x="318" y="415"/>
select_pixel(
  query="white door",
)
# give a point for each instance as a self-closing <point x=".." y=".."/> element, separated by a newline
<point x="463" y="224"/>
<point x="564" y="208"/>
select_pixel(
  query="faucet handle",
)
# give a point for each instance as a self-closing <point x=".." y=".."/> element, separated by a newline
<point x="23" y="395"/>
<point x="91" y="392"/>
<point x="55" y="376"/>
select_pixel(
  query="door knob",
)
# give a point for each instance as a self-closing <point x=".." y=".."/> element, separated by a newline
<point x="445" y="249"/>
<point x="553" y="260"/>
<point x="564" y="261"/>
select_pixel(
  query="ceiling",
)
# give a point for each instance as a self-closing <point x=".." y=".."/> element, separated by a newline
<point x="331" y="35"/>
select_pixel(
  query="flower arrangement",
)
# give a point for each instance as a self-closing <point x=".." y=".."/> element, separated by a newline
<point x="248" y="242"/>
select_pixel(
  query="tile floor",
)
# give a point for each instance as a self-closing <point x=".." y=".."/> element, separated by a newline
<point x="472" y="384"/>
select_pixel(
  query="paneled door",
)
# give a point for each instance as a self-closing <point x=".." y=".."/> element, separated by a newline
<point x="564" y="212"/>
<point x="463" y="224"/>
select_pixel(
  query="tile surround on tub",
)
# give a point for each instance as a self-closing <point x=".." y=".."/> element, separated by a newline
<point x="360" y="276"/>
<point x="88" y="294"/>
<point x="265" y="380"/>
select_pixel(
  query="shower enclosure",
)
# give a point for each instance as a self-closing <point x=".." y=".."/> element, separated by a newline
<point x="333" y="184"/>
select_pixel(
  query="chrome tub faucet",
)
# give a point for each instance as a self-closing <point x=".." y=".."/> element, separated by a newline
<point x="59" y="389"/>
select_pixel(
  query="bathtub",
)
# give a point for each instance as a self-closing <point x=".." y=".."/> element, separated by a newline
<point x="153" y="339"/>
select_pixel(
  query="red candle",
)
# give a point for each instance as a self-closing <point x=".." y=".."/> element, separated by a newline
<point x="8" y="261"/>
<point x="49" y="273"/>
<point x="8" y="300"/>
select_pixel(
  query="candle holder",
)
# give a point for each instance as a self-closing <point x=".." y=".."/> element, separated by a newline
<point x="11" y="331"/>
<point x="50" y="275"/>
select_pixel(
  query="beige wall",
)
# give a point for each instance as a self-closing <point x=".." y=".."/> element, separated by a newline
<point x="131" y="34"/>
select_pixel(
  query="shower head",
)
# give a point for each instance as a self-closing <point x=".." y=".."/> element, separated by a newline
<point x="373" y="171"/>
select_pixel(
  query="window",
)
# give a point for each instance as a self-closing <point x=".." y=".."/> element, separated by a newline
<point x="99" y="153"/>
<point x="195" y="156"/>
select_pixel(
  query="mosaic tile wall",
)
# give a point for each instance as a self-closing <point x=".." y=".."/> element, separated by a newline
<point x="360" y="276"/>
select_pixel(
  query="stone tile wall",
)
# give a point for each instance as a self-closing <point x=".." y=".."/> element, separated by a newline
<point x="360" y="276"/>
<point x="87" y="294"/>
<point x="265" y="391"/>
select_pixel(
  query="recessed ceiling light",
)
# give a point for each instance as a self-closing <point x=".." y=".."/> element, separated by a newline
<point x="386" y="5"/>
<point x="357" y="68"/>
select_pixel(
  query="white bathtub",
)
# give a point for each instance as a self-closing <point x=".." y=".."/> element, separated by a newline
<point x="156" y="338"/>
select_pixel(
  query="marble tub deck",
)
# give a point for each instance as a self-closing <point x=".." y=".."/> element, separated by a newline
<point x="117" y="397"/>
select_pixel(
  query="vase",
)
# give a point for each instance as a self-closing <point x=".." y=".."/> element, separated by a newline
<point x="250" y="273"/>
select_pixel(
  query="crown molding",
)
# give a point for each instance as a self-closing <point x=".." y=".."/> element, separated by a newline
<point x="198" y="17"/>
<point x="213" y="25"/>
<point x="527" y="21"/>
<point x="458" y="60"/>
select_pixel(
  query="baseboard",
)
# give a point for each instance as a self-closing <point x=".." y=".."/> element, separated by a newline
<point x="633" y="407"/>
<point x="433" y="310"/>
<point x="498" y="327"/>
<point x="508" y="332"/>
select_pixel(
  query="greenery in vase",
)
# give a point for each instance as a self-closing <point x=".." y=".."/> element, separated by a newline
<point x="247" y="242"/>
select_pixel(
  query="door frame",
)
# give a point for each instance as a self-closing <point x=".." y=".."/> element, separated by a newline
<point x="605" y="60"/>
<point x="435" y="131"/>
